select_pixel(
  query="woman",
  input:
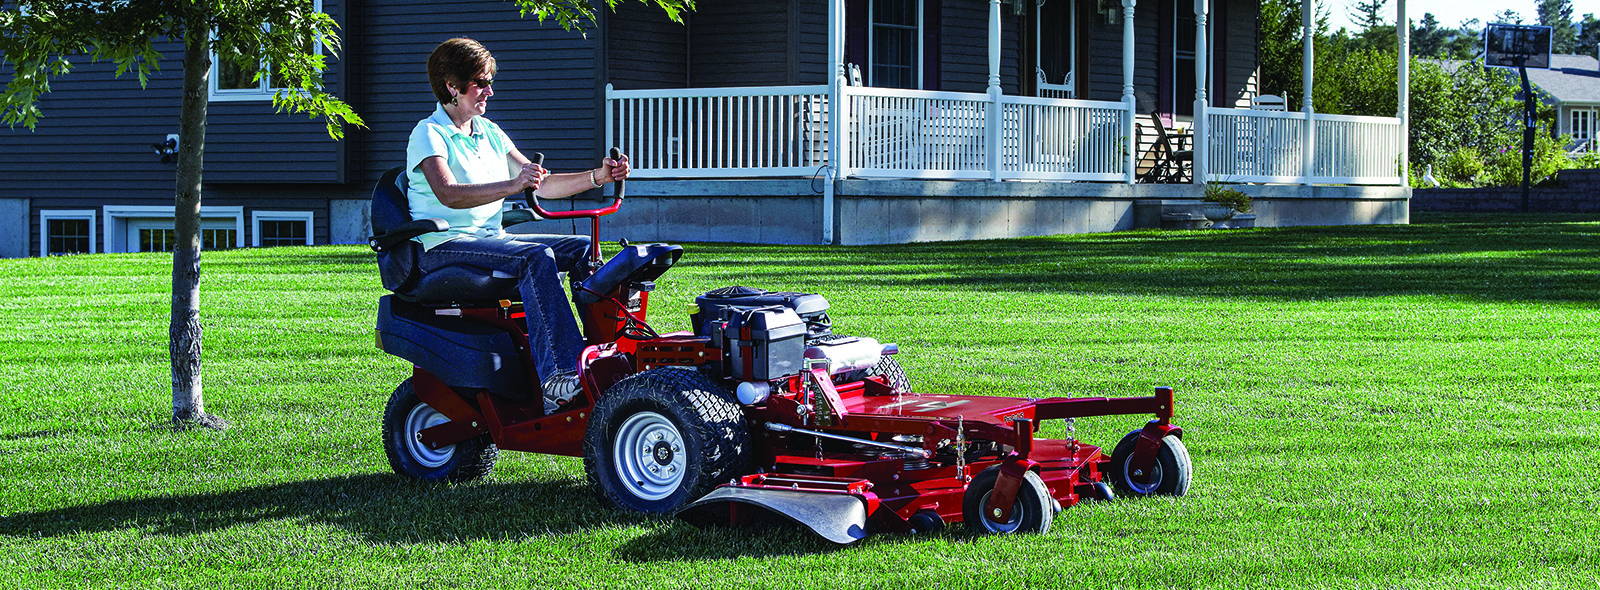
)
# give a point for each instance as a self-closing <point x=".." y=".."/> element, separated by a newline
<point x="460" y="168"/>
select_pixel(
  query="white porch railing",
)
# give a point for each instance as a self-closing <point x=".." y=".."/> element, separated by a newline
<point x="720" y="132"/>
<point x="944" y="135"/>
<point x="1063" y="139"/>
<point x="1358" y="150"/>
<point x="1269" y="146"/>
<point x="915" y="134"/>
<point x="892" y="133"/>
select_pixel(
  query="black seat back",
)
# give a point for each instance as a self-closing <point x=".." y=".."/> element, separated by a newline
<point x="397" y="266"/>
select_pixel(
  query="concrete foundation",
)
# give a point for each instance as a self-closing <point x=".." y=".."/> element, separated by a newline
<point x="15" y="227"/>
<point x="349" y="221"/>
<point x="901" y="211"/>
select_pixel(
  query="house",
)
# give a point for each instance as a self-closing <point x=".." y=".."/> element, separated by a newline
<point x="1572" y="86"/>
<point x="775" y="121"/>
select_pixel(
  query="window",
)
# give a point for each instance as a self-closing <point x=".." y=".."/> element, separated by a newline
<point x="1583" y="130"/>
<point x="66" y="232"/>
<point x="131" y="228"/>
<point x="894" y="40"/>
<point x="231" y="82"/>
<point x="156" y="239"/>
<point x="281" y="228"/>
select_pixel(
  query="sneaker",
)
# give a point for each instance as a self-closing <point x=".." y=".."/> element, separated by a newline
<point x="560" y="389"/>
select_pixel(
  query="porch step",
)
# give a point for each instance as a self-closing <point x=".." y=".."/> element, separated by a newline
<point x="1198" y="221"/>
<point x="1175" y="214"/>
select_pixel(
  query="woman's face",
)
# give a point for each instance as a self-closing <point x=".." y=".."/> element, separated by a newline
<point x="474" y="99"/>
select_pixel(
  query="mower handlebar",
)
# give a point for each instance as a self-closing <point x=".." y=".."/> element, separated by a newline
<point x="533" y="200"/>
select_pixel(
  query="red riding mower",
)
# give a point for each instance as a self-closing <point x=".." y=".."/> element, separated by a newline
<point x="760" y="411"/>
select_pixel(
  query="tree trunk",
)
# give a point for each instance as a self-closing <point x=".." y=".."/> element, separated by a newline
<point x="188" y="407"/>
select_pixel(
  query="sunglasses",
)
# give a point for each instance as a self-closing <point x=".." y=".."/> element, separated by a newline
<point x="483" y="82"/>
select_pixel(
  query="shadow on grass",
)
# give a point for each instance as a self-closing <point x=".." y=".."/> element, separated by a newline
<point x="387" y="509"/>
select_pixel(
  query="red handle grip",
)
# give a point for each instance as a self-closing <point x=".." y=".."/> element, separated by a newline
<point x="533" y="200"/>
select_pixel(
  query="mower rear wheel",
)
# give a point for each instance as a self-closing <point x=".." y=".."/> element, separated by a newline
<point x="1032" y="513"/>
<point x="891" y="371"/>
<point x="404" y="418"/>
<point x="1169" y="477"/>
<point x="663" y="438"/>
<point x="887" y="367"/>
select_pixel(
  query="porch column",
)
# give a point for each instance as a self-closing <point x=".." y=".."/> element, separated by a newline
<point x="1127" y="88"/>
<point x="1308" y="157"/>
<point x="1403" y="28"/>
<point x="994" y="91"/>
<point x="835" y="113"/>
<point x="1201" y="126"/>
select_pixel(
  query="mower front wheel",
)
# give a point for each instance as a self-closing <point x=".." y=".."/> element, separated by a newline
<point x="1169" y="477"/>
<point x="663" y="438"/>
<point x="404" y="419"/>
<point x="1032" y="513"/>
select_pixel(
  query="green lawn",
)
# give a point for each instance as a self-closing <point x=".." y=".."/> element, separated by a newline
<point x="1367" y="407"/>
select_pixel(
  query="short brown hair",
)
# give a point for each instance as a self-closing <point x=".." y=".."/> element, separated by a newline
<point x="455" y="63"/>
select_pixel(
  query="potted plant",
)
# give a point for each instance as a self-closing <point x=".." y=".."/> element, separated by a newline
<point x="1223" y="201"/>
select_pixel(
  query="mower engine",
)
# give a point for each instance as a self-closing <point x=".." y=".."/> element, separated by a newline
<point x="770" y="336"/>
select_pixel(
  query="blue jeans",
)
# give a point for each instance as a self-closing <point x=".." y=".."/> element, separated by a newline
<point x="553" y="336"/>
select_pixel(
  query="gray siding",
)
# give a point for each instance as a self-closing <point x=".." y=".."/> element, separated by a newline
<point x="739" y="44"/>
<point x="811" y="40"/>
<point x="1104" y="62"/>
<point x="645" y="49"/>
<point x="1241" y="75"/>
<point x="964" y="57"/>
<point x="546" y="91"/>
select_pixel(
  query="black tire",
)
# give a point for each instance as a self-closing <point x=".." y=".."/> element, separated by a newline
<point x="1172" y="470"/>
<point x="894" y="375"/>
<point x="926" y="522"/>
<point x="1102" y="492"/>
<point x="689" y="432"/>
<point x="1032" y="513"/>
<point x="404" y="417"/>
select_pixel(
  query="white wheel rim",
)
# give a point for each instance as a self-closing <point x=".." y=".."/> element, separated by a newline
<point x="1138" y="488"/>
<point x="1002" y="527"/>
<point x="424" y="416"/>
<point x="648" y="453"/>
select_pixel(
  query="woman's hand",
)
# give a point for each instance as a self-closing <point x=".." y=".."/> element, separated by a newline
<point x="531" y="176"/>
<point x="614" y="170"/>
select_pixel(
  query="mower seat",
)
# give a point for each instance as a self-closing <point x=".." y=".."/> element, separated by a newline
<point x="393" y="230"/>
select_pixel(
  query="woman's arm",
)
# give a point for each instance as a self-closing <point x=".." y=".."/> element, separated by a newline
<point x="466" y="196"/>
<point x="561" y="186"/>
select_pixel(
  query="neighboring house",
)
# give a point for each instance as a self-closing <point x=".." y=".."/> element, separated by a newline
<point x="1572" y="85"/>
<point x="958" y="125"/>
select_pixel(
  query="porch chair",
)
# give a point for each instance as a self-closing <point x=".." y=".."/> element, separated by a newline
<point x="1044" y="89"/>
<point x="1165" y="161"/>
<point x="1267" y="102"/>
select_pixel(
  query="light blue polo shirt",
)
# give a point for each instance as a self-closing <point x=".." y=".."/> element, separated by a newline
<point x="484" y="156"/>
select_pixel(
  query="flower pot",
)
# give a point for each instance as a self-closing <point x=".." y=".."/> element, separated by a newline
<point x="1216" y="212"/>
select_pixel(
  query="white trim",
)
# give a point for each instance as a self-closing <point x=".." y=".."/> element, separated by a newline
<point x="118" y="216"/>
<point x="46" y="215"/>
<point x="263" y="91"/>
<point x="256" y="217"/>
